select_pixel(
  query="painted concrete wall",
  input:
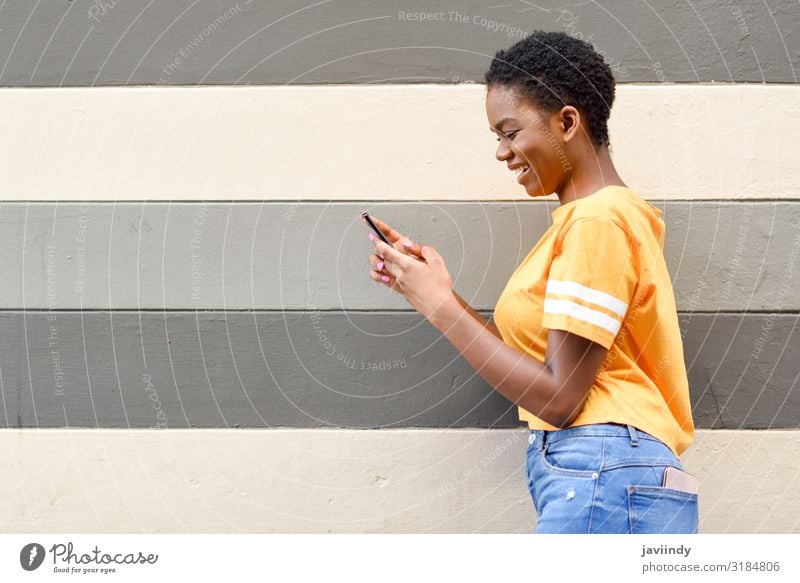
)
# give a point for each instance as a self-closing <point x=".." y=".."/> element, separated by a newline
<point x="722" y="255"/>
<point x="319" y="481"/>
<point x="234" y="42"/>
<point x="358" y="369"/>
<point x="365" y="142"/>
<point x="188" y="339"/>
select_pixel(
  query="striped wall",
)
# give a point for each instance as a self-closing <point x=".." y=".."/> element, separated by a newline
<point x="366" y="142"/>
<point x="246" y="42"/>
<point x="190" y="341"/>
<point x="343" y="481"/>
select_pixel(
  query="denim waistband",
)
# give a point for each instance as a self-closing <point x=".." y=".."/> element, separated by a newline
<point x="541" y="436"/>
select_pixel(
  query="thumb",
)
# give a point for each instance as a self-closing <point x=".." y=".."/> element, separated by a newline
<point x="429" y="253"/>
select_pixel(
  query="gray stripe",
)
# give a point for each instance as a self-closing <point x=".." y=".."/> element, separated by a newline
<point x="185" y="42"/>
<point x="322" y="369"/>
<point x="275" y="256"/>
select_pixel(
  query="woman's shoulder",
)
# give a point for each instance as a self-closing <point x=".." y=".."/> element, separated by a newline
<point x="611" y="203"/>
<point x="640" y="220"/>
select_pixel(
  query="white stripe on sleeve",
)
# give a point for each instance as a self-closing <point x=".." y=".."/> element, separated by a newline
<point x="582" y="313"/>
<point x="570" y="288"/>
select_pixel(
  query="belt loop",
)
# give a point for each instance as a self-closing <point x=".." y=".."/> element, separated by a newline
<point x="634" y="436"/>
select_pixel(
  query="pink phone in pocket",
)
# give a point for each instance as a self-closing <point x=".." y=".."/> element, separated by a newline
<point x="679" y="480"/>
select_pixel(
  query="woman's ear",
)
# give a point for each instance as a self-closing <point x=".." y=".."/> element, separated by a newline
<point x="569" y="120"/>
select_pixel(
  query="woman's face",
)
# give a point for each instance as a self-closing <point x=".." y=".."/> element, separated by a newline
<point x="530" y="142"/>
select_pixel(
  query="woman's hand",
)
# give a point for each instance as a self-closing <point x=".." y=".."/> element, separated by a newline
<point x="417" y="272"/>
<point x="400" y="242"/>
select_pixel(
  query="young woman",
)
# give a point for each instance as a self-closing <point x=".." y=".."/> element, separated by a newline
<point x="586" y="340"/>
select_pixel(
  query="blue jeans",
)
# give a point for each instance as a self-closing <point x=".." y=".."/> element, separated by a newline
<point x="605" y="478"/>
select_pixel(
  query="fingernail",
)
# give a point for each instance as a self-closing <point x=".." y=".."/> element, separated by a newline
<point x="371" y="237"/>
<point x="379" y="267"/>
<point x="408" y="244"/>
<point x="385" y="278"/>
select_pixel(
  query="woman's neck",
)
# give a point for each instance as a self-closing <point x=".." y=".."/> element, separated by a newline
<point x="596" y="171"/>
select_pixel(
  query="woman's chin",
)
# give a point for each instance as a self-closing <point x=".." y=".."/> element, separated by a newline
<point x="535" y="191"/>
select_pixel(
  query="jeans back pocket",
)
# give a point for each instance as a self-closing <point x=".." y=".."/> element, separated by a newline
<point x="658" y="510"/>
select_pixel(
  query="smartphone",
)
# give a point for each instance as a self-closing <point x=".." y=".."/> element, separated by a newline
<point x="680" y="480"/>
<point x="378" y="232"/>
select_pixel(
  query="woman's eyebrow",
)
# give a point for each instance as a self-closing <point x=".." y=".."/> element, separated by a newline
<point x="502" y="122"/>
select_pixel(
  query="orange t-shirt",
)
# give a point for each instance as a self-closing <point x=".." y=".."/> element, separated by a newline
<point x="599" y="272"/>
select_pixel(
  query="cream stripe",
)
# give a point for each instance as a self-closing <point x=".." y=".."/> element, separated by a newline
<point x="392" y="480"/>
<point x="600" y="298"/>
<point x="579" y="312"/>
<point x="393" y="142"/>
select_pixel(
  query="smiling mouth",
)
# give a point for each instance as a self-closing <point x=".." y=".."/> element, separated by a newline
<point x="522" y="172"/>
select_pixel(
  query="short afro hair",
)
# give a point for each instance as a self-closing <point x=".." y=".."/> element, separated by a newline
<point x="553" y="69"/>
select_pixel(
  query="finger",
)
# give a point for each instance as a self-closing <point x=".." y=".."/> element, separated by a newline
<point x="391" y="256"/>
<point x="400" y="242"/>
<point x="430" y="254"/>
<point x="374" y="260"/>
<point x="411" y="248"/>
<point x="383" y="279"/>
<point x="390" y="233"/>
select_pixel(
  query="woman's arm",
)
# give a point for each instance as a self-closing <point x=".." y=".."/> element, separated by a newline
<point x="553" y="391"/>
<point x="405" y="244"/>
<point x="480" y="319"/>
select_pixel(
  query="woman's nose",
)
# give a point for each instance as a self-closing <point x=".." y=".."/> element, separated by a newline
<point x="503" y="152"/>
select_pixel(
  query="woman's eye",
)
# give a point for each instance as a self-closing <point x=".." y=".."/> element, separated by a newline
<point x="509" y="136"/>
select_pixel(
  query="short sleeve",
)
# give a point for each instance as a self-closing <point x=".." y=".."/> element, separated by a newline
<point x="591" y="281"/>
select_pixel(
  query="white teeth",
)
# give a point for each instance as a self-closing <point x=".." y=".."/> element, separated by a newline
<point x="521" y="170"/>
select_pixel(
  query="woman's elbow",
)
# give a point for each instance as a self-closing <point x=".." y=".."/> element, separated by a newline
<point x="556" y="418"/>
<point x="568" y="416"/>
<point x="559" y="421"/>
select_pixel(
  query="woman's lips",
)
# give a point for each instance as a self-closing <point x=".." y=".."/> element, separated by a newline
<point x="523" y="175"/>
